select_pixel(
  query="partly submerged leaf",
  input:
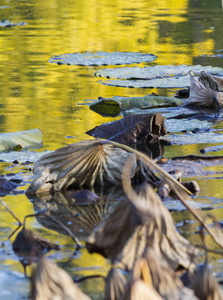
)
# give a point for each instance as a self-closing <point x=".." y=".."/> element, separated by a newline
<point x="87" y="163"/>
<point x="102" y="58"/>
<point x="51" y="282"/>
<point x="201" y="95"/>
<point x="131" y="129"/>
<point x="152" y="72"/>
<point x="113" y="106"/>
<point x="25" y="139"/>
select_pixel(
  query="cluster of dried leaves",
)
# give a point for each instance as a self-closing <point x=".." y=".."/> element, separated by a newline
<point x="139" y="235"/>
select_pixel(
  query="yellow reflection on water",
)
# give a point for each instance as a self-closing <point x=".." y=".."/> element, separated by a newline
<point x="37" y="94"/>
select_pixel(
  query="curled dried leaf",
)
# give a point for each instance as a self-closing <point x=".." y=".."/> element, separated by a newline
<point x="131" y="129"/>
<point x="157" y="229"/>
<point x="109" y="237"/>
<point x="29" y="243"/>
<point x="204" y="95"/>
<point x="164" y="280"/>
<point x="51" y="282"/>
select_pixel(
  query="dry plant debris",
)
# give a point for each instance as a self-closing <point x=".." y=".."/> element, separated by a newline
<point x="51" y="282"/>
<point x="205" y="91"/>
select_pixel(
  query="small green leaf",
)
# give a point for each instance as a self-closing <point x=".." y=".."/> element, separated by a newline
<point x="106" y="107"/>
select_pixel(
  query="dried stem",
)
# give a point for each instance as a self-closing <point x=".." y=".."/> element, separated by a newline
<point x="11" y="212"/>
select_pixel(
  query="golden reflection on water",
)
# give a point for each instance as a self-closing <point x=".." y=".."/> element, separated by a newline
<point x="37" y="94"/>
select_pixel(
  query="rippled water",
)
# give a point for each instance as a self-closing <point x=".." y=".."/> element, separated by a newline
<point x="37" y="94"/>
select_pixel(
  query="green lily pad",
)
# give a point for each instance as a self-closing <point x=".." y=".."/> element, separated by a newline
<point x="153" y="72"/>
<point x="113" y="106"/>
<point x="22" y="139"/>
<point x="190" y="138"/>
<point x="102" y="58"/>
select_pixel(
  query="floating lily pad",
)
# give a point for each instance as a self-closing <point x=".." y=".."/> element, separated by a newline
<point x="190" y="138"/>
<point x="178" y="125"/>
<point x="102" y="58"/>
<point x="113" y="106"/>
<point x="153" y="72"/>
<point x="154" y="77"/>
<point x="167" y="82"/>
<point x="22" y="139"/>
<point x="7" y="23"/>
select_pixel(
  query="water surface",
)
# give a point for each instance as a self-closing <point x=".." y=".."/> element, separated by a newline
<point x="38" y="94"/>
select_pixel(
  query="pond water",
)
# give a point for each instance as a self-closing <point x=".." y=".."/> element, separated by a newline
<point x="38" y="94"/>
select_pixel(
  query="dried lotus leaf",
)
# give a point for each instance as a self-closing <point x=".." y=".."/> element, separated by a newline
<point x="115" y="284"/>
<point x="83" y="164"/>
<point x="203" y="96"/>
<point x="208" y="81"/>
<point x="139" y="290"/>
<point x="51" y="282"/>
<point x="164" y="280"/>
<point x="109" y="237"/>
<point x="157" y="231"/>
<point x="28" y="242"/>
<point x="131" y="128"/>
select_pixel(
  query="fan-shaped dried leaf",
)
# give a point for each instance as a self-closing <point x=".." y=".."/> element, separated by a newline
<point x="205" y="285"/>
<point x="51" y="282"/>
<point x="131" y="129"/>
<point x="157" y="231"/>
<point x="85" y="164"/>
<point x="28" y="242"/>
<point x="115" y="284"/>
<point x="203" y="96"/>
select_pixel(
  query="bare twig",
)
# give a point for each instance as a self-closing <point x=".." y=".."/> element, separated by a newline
<point x="11" y="212"/>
